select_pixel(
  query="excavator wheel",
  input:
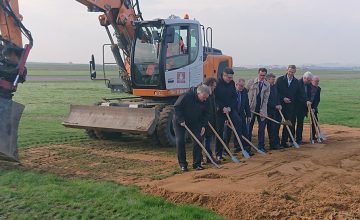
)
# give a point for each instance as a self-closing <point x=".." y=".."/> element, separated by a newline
<point x="164" y="130"/>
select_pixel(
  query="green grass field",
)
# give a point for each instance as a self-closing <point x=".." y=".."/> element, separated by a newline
<point x="27" y="194"/>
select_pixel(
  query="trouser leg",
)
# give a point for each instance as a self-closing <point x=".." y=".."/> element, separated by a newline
<point x="270" y="130"/>
<point x="208" y="141"/>
<point x="261" y="132"/>
<point x="180" y="144"/>
<point x="220" y="120"/>
<point x="197" y="155"/>
<point x="299" y="127"/>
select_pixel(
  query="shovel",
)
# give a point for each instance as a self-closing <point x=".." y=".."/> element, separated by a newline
<point x="202" y="146"/>
<point x="252" y="145"/>
<point x="233" y="158"/>
<point x="245" y="154"/>
<point x="321" y="134"/>
<point x="312" y="122"/>
<point x="317" y="128"/>
<point x="296" y="145"/>
<point x="287" y="122"/>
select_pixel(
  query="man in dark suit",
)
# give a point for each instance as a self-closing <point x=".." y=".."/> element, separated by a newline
<point x="272" y="109"/>
<point x="315" y="99"/>
<point x="302" y="103"/>
<point x="225" y="98"/>
<point x="243" y="109"/>
<point x="289" y="90"/>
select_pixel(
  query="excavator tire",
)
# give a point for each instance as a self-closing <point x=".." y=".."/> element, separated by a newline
<point x="164" y="129"/>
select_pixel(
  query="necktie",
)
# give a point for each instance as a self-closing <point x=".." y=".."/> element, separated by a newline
<point x="239" y="100"/>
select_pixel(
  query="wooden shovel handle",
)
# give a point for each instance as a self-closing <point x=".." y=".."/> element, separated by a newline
<point x="235" y="132"/>
<point x="273" y="120"/>
<point x="202" y="146"/>
<point x="220" y="139"/>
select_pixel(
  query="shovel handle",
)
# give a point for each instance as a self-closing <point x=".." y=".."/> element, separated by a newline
<point x="235" y="132"/>
<point x="220" y="139"/>
<point x="202" y="146"/>
<point x="316" y="124"/>
<point x="267" y="117"/>
<point x="311" y="124"/>
<point x="249" y="142"/>
<point x="289" y="131"/>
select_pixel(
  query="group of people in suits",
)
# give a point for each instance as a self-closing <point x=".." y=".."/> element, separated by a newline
<point x="217" y="101"/>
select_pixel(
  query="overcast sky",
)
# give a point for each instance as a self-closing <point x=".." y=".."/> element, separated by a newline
<point x="252" y="31"/>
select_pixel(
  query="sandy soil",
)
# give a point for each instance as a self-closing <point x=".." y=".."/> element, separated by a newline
<point x="320" y="181"/>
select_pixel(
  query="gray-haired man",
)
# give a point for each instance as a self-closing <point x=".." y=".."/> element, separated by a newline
<point x="191" y="109"/>
<point x="301" y="104"/>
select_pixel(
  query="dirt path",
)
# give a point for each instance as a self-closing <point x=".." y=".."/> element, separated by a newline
<point x="319" y="181"/>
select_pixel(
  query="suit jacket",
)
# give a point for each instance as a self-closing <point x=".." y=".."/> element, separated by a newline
<point x="273" y="99"/>
<point x="253" y="90"/>
<point x="285" y="91"/>
<point x="225" y="95"/>
<point x="303" y="97"/>
<point x="315" y="97"/>
<point x="243" y="109"/>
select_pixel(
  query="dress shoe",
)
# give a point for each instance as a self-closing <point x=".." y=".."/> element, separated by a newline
<point x="199" y="168"/>
<point x="184" y="169"/>
<point x="263" y="149"/>
<point x="285" y="145"/>
<point x="218" y="158"/>
<point x="250" y="153"/>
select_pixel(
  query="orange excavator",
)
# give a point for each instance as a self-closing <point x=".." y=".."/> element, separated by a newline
<point x="158" y="60"/>
<point x="13" y="56"/>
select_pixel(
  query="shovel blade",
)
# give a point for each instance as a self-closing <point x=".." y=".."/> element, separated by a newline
<point x="296" y="145"/>
<point x="245" y="154"/>
<point x="261" y="152"/>
<point x="10" y="114"/>
<point x="323" y="136"/>
<point x="235" y="159"/>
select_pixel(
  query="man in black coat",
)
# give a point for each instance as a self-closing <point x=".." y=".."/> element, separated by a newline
<point x="225" y="97"/>
<point x="243" y="109"/>
<point x="315" y="99"/>
<point x="272" y="109"/>
<point x="289" y="90"/>
<point x="191" y="109"/>
<point x="302" y="102"/>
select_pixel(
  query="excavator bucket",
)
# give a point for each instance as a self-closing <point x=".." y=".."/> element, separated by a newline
<point x="115" y="119"/>
<point x="10" y="114"/>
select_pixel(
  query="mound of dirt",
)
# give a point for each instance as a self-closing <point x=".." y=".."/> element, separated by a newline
<point x="320" y="181"/>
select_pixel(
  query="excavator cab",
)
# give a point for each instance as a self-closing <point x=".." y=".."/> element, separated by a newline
<point x="165" y="53"/>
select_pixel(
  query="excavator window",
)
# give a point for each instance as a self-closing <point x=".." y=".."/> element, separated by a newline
<point x="147" y="55"/>
<point x="194" y="42"/>
<point x="177" y="53"/>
